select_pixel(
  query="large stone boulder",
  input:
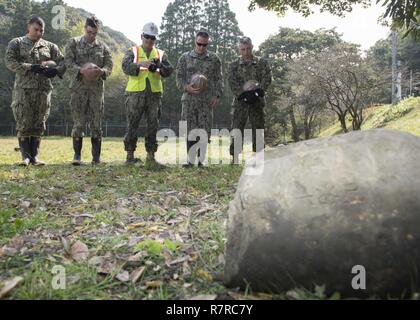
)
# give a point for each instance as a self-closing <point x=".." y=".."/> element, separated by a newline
<point x="324" y="206"/>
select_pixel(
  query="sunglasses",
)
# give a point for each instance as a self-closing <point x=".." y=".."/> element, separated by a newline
<point x="202" y="44"/>
<point x="146" y="36"/>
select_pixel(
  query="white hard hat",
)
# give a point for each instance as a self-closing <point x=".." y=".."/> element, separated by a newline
<point x="151" y="29"/>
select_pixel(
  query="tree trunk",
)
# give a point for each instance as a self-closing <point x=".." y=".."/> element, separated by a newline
<point x="295" y="132"/>
<point x="357" y="121"/>
<point x="342" y="119"/>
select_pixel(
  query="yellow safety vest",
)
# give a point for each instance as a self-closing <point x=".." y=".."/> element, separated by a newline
<point x="138" y="83"/>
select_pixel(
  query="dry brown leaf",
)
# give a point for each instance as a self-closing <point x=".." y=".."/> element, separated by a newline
<point x="184" y="211"/>
<point x="25" y="204"/>
<point x="153" y="229"/>
<point x="79" y="251"/>
<point x="133" y="241"/>
<point x="179" y="260"/>
<point x="95" y="261"/>
<point x="66" y="244"/>
<point x="154" y="284"/>
<point x="9" y="285"/>
<point x="203" y="210"/>
<point x="136" y="225"/>
<point x="137" y="257"/>
<point x="136" y="274"/>
<point x="123" y="276"/>
<point x="107" y="267"/>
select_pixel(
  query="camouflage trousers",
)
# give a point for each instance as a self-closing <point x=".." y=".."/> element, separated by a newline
<point x="87" y="106"/>
<point x="241" y="112"/>
<point x="138" y="104"/>
<point x="31" y="109"/>
<point x="198" y="115"/>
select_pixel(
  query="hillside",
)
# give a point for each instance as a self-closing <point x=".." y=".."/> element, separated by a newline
<point x="116" y="40"/>
<point x="13" y="17"/>
<point x="404" y="116"/>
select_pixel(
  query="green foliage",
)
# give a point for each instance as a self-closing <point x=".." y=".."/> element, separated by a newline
<point x="404" y="116"/>
<point x="337" y="7"/>
<point x="404" y="14"/>
<point x="392" y="113"/>
<point x="281" y="50"/>
<point x="154" y="248"/>
<point x="9" y="228"/>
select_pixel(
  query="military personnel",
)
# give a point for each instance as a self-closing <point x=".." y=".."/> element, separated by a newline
<point x="146" y="66"/>
<point x="198" y="104"/>
<point x="249" y="78"/>
<point x="89" y="64"/>
<point x="35" y="62"/>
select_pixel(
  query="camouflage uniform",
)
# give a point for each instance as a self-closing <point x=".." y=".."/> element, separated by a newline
<point x="239" y="73"/>
<point x="195" y="109"/>
<point x="87" y="101"/>
<point x="145" y="103"/>
<point x="32" y="91"/>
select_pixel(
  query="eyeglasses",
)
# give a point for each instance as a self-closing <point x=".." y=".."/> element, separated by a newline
<point x="146" y="36"/>
<point x="202" y="44"/>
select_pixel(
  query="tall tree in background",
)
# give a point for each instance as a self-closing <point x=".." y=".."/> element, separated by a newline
<point x="280" y="50"/>
<point x="404" y="14"/>
<point x="379" y="57"/>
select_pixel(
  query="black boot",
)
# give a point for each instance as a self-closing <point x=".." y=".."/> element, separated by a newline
<point x="151" y="163"/>
<point x="77" y="147"/>
<point x="204" y="149"/>
<point x="25" y="149"/>
<point x="131" y="159"/>
<point x="96" y="150"/>
<point x="191" y="159"/>
<point x="35" y="143"/>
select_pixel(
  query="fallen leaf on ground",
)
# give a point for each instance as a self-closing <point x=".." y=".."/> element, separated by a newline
<point x="179" y="260"/>
<point x="123" y="276"/>
<point x="136" y="274"/>
<point x="137" y="257"/>
<point x="95" y="261"/>
<point x="79" y="251"/>
<point x="66" y="245"/>
<point x="136" y="225"/>
<point x="25" y="204"/>
<point x="204" y="275"/>
<point x="9" y="285"/>
<point x="154" y="284"/>
<point x="71" y="280"/>
<point x="203" y="210"/>
<point x="107" y="267"/>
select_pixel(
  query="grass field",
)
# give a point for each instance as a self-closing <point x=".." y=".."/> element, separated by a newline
<point x="404" y="116"/>
<point x="123" y="232"/>
<point x="165" y="228"/>
<point x="119" y="232"/>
